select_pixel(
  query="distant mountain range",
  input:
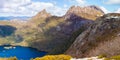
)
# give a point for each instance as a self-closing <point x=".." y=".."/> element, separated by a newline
<point x="12" y="18"/>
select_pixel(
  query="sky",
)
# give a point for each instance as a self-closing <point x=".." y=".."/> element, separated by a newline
<point x="55" y="7"/>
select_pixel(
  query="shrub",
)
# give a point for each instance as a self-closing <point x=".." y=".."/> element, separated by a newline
<point x="11" y="58"/>
<point x="116" y="57"/>
<point x="54" y="57"/>
<point x="113" y="58"/>
<point x="101" y="56"/>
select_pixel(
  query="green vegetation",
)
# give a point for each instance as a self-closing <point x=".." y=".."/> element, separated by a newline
<point x="101" y="56"/>
<point x="117" y="57"/>
<point x="11" y="58"/>
<point x="47" y="57"/>
<point x="54" y="57"/>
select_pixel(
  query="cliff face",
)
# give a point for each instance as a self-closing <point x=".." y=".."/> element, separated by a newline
<point x="102" y="37"/>
<point x="88" y="12"/>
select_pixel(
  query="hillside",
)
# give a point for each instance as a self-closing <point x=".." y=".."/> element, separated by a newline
<point x="55" y="32"/>
<point x="101" y="38"/>
<point x="51" y="33"/>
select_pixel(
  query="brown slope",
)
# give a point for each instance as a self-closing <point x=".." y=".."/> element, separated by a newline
<point x="40" y="17"/>
<point x="102" y="37"/>
<point x="56" y="32"/>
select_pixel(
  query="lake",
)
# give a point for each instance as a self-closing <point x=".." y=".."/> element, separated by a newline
<point x="22" y="53"/>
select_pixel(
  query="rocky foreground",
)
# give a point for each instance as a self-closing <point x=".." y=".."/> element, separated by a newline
<point x="102" y="37"/>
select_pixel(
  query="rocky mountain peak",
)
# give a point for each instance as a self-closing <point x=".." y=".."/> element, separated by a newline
<point x="96" y="7"/>
<point x="102" y="37"/>
<point x="42" y="14"/>
<point x="88" y="12"/>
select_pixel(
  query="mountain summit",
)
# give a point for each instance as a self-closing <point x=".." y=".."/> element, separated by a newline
<point x="88" y="12"/>
<point x="96" y="7"/>
<point x="42" y="14"/>
<point x="40" y="17"/>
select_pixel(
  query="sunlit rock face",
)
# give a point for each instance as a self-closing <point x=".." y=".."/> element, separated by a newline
<point x="88" y="12"/>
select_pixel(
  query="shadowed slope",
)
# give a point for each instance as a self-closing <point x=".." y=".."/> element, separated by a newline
<point x="101" y="37"/>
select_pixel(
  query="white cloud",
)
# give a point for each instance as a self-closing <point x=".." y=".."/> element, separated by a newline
<point x="57" y="11"/>
<point x="113" y="2"/>
<point x="28" y="8"/>
<point x="80" y="1"/>
<point x="104" y="9"/>
<point x="118" y="11"/>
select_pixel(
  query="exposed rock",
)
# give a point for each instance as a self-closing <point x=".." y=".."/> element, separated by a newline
<point x="100" y="38"/>
<point x="42" y="14"/>
<point x="96" y="8"/>
<point x="88" y="12"/>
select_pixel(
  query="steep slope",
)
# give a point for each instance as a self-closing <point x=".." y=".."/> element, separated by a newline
<point x="102" y="37"/>
<point x="42" y="14"/>
<point x="55" y="32"/>
<point x="40" y="17"/>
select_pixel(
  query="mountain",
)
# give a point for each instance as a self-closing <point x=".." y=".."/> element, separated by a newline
<point x="12" y="18"/>
<point x="102" y="37"/>
<point x="97" y="8"/>
<point x="58" y="30"/>
<point x="42" y="14"/>
<point x="51" y="33"/>
<point x="88" y="12"/>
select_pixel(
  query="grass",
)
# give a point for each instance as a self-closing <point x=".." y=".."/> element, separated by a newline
<point x="101" y="56"/>
<point x="11" y="58"/>
<point x="117" y="57"/>
<point x="54" y="57"/>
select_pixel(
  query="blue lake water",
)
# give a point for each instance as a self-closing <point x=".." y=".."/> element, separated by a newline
<point x="22" y="53"/>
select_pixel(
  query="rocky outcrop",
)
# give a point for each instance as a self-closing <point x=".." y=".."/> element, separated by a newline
<point x="102" y="37"/>
<point x="40" y="17"/>
<point x="88" y="12"/>
<point x="42" y="14"/>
